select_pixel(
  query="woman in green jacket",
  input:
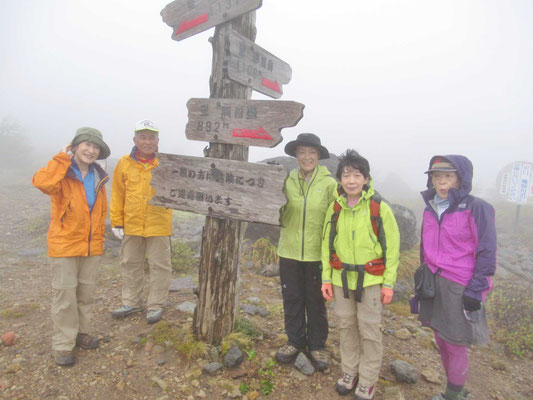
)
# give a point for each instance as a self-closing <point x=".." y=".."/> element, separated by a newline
<point x="354" y="246"/>
<point x="309" y="190"/>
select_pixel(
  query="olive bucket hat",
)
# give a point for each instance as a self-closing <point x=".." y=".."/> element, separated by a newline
<point x="307" y="139"/>
<point x="92" y="135"/>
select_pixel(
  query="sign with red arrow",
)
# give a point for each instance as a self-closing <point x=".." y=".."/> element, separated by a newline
<point x="244" y="122"/>
<point x="189" y="17"/>
<point x="247" y="63"/>
<point x="220" y="188"/>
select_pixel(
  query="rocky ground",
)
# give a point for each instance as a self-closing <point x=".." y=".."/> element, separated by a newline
<point x="130" y="364"/>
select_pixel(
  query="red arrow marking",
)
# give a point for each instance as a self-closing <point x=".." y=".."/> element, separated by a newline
<point x="186" y="25"/>
<point x="252" y="134"/>
<point x="271" y="85"/>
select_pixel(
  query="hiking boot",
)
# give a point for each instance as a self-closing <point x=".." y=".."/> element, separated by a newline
<point x="464" y="395"/>
<point x="346" y="383"/>
<point x="286" y="353"/>
<point x="86" y="341"/>
<point x="122" y="311"/>
<point x="320" y="359"/>
<point x="64" y="358"/>
<point x="364" y="392"/>
<point x="153" y="316"/>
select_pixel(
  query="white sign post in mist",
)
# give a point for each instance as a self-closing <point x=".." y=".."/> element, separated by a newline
<point x="516" y="184"/>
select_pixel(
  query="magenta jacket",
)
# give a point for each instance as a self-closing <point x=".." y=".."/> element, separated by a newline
<point x="462" y="244"/>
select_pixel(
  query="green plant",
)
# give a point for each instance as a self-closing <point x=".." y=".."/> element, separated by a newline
<point x="247" y="327"/>
<point x="510" y="308"/>
<point x="244" y="388"/>
<point x="237" y="339"/>
<point x="267" y="374"/>
<point x="262" y="252"/>
<point x="250" y="355"/>
<point x="182" y="257"/>
<point x="181" y="339"/>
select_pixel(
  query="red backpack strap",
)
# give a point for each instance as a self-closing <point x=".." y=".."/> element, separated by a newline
<point x="377" y="223"/>
<point x="334" y="259"/>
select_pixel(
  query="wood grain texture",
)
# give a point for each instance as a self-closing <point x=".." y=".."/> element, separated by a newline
<point x="251" y="65"/>
<point x="189" y="17"/>
<point x="244" y="122"/>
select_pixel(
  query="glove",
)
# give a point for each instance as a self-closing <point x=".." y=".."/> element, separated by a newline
<point x="386" y="295"/>
<point x="118" y="232"/>
<point x="327" y="291"/>
<point x="471" y="304"/>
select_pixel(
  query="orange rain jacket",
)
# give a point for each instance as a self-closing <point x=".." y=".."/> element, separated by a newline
<point x="130" y="193"/>
<point x="74" y="229"/>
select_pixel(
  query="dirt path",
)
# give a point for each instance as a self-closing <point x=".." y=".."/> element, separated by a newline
<point x="125" y="367"/>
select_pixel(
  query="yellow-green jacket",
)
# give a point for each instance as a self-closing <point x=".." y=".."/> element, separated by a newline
<point x="302" y="217"/>
<point x="130" y="193"/>
<point x="356" y="242"/>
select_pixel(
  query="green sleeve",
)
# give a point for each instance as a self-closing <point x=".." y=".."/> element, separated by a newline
<point x="392" y="235"/>
<point x="326" y="267"/>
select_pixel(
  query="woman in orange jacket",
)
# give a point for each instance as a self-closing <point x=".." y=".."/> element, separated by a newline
<point x="76" y="186"/>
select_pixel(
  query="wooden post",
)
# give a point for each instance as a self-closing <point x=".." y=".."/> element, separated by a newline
<point x="219" y="274"/>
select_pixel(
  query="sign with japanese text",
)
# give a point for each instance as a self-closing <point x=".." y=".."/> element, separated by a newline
<point x="244" y="122"/>
<point x="220" y="188"/>
<point x="189" y="17"/>
<point x="516" y="182"/>
<point x="247" y="63"/>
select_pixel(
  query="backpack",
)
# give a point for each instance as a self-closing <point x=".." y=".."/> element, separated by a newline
<point x="373" y="267"/>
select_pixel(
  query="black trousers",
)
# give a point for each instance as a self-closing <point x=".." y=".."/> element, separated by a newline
<point x="306" y="319"/>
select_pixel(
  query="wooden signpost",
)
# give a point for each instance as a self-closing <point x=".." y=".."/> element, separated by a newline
<point x="231" y="122"/>
<point x="244" y="122"/>
<point x="189" y="17"/>
<point x="251" y="65"/>
<point x="220" y="188"/>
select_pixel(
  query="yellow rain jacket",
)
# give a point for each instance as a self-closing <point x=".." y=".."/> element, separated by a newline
<point x="75" y="230"/>
<point x="130" y="193"/>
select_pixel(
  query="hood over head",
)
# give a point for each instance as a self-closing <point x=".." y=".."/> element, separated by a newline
<point x="465" y="170"/>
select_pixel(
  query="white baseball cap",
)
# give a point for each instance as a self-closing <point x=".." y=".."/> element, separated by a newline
<point x="146" y="124"/>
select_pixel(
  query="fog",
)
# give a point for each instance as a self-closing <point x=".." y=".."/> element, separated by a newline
<point x="399" y="81"/>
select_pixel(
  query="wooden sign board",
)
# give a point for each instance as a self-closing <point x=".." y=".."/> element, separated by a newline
<point x="247" y="63"/>
<point x="244" y="122"/>
<point x="189" y="17"/>
<point x="220" y="188"/>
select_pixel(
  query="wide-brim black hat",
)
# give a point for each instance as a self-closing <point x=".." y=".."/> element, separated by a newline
<point x="307" y="139"/>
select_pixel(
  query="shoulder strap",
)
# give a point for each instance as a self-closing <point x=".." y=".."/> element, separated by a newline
<point x="377" y="223"/>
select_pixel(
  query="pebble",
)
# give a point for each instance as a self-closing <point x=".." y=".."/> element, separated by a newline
<point x="402" y="334"/>
<point x="430" y="375"/>
<point x="160" y="382"/>
<point x="304" y="365"/>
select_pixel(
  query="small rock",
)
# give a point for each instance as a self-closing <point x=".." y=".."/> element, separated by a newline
<point x="212" y="368"/>
<point x="270" y="270"/>
<point x="233" y="357"/>
<point x="254" y="300"/>
<point x="120" y="385"/>
<point x="148" y="346"/>
<point x="402" y="334"/>
<point x="9" y="338"/>
<point x="201" y="394"/>
<point x="158" y="349"/>
<point x="160" y="382"/>
<point x="213" y="354"/>
<point x="498" y="365"/>
<point x="161" y="361"/>
<point x="393" y="393"/>
<point x="304" y="365"/>
<point x="186" y="307"/>
<point x="404" y="372"/>
<point x="430" y="375"/>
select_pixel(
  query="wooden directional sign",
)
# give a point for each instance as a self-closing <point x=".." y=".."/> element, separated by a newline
<point x="244" y="122"/>
<point x="253" y="66"/>
<point x="220" y="188"/>
<point x="189" y="17"/>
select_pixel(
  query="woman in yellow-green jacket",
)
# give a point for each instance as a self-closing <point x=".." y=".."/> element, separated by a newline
<point x="354" y="246"/>
<point x="309" y="190"/>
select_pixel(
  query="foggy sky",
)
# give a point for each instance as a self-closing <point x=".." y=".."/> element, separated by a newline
<point x="399" y="81"/>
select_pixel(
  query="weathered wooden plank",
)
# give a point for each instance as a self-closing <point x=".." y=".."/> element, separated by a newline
<point x="189" y="17"/>
<point x="244" y="122"/>
<point x="251" y="65"/>
<point x="220" y="188"/>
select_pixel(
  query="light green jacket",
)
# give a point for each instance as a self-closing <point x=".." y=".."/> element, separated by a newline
<point x="302" y="217"/>
<point x="356" y="243"/>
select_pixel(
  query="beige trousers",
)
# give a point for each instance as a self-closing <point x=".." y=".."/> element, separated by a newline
<point x="74" y="284"/>
<point x="132" y="257"/>
<point x="360" y="334"/>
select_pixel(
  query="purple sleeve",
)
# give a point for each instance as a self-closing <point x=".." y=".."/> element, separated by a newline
<point x="486" y="249"/>
<point x="422" y="243"/>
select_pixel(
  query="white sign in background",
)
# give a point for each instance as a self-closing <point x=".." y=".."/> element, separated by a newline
<point x="518" y="183"/>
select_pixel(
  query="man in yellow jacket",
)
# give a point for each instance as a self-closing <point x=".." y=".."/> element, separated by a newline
<point x="144" y="229"/>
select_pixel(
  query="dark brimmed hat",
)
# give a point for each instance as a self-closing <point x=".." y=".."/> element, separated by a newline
<point x="441" y="164"/>
<point x="307" y="139"/>
<point x="87" y="134"/>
